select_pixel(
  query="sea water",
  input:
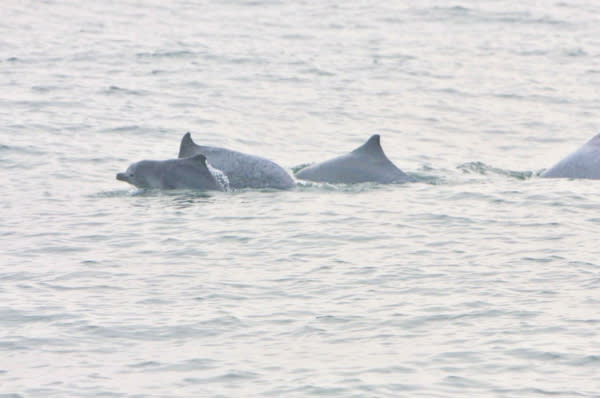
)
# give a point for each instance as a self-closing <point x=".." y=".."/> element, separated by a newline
<point x="480" y="279"/>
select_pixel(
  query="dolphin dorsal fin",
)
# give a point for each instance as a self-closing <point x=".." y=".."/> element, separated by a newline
<point x="371" y="146"/>
<point x="187" y="146"/>
<point x="199" y="158"/>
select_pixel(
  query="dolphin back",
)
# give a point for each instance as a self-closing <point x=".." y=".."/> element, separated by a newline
<point x="366" y="163"/>
<point x="580" y="164"/>
<point x="242" y="170"/>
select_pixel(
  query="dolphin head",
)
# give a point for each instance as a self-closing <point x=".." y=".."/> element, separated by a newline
<point x="126" y="176"/>
<point x="132" y="177"/>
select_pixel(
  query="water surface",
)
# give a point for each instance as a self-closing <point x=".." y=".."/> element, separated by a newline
<point x="481" y="279"/>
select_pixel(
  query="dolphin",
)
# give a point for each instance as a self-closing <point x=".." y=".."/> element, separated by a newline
<point x="185" y="173"/>
<point x="242" y="170"/>
<point x="580" y="164"/>
<point x="367" y="163"/>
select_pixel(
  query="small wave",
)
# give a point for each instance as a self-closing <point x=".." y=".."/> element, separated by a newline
<point x="148" y="333"/>
<point x="116" y="90"/>
<point x="297" y="36"/>
<point x="167" y="54"/>
<point x="550" y="99"/>
<point x="10" y="315"/>
<point x="27" y="150"/>
<point x="111" y="194"/>
<point x="184" y="366"/>
<point x="585" y="361"/>
<point x="462" y="382"/>
<point x="318" y="72"/>
<point x="259" y="3"/>
<point x="427" y="178"/>
<point x="445" y="11"/>
<point x="341" y="187"/>
<point x="524" y="18"/>
<point x="45" y="89"/>
<point x="180" y="199"/>
<point x="126" y="128"/>
<point x="524" y="392"/>
<point x="456" y="9"/>
<point x="179" y="196"/>
<point x="576" y="52"/>
<point x="530" y="354"/>
<point x="146" y="365"/>
<point x="311" y="391"/>
<point x="484" y="169"/>
<point x="224" y="378"/>
<point x="469" y="15"/>
<point x="88" y="288"/>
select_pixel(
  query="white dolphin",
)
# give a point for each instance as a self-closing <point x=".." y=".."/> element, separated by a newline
<point x="581" y="164"/>
<point x="242" y="170"/>
<point x="185" y="173"/>
<point x="367" y="163"/>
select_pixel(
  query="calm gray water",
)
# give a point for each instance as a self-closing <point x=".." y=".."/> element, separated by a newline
<point x="481" y="279"/>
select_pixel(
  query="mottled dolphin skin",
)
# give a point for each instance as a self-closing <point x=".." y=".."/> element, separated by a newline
<point x="367" y="163"/>
<point x="185" y="173"/>
<point x="581" y="164"/>
<point x="242" y="170"/>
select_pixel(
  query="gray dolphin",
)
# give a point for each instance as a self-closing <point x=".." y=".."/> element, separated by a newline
<point x="185" y="173"/>
<point x="368" y="163"/>
<point x="242" y="170"/>
<point x="580" y="164"/>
